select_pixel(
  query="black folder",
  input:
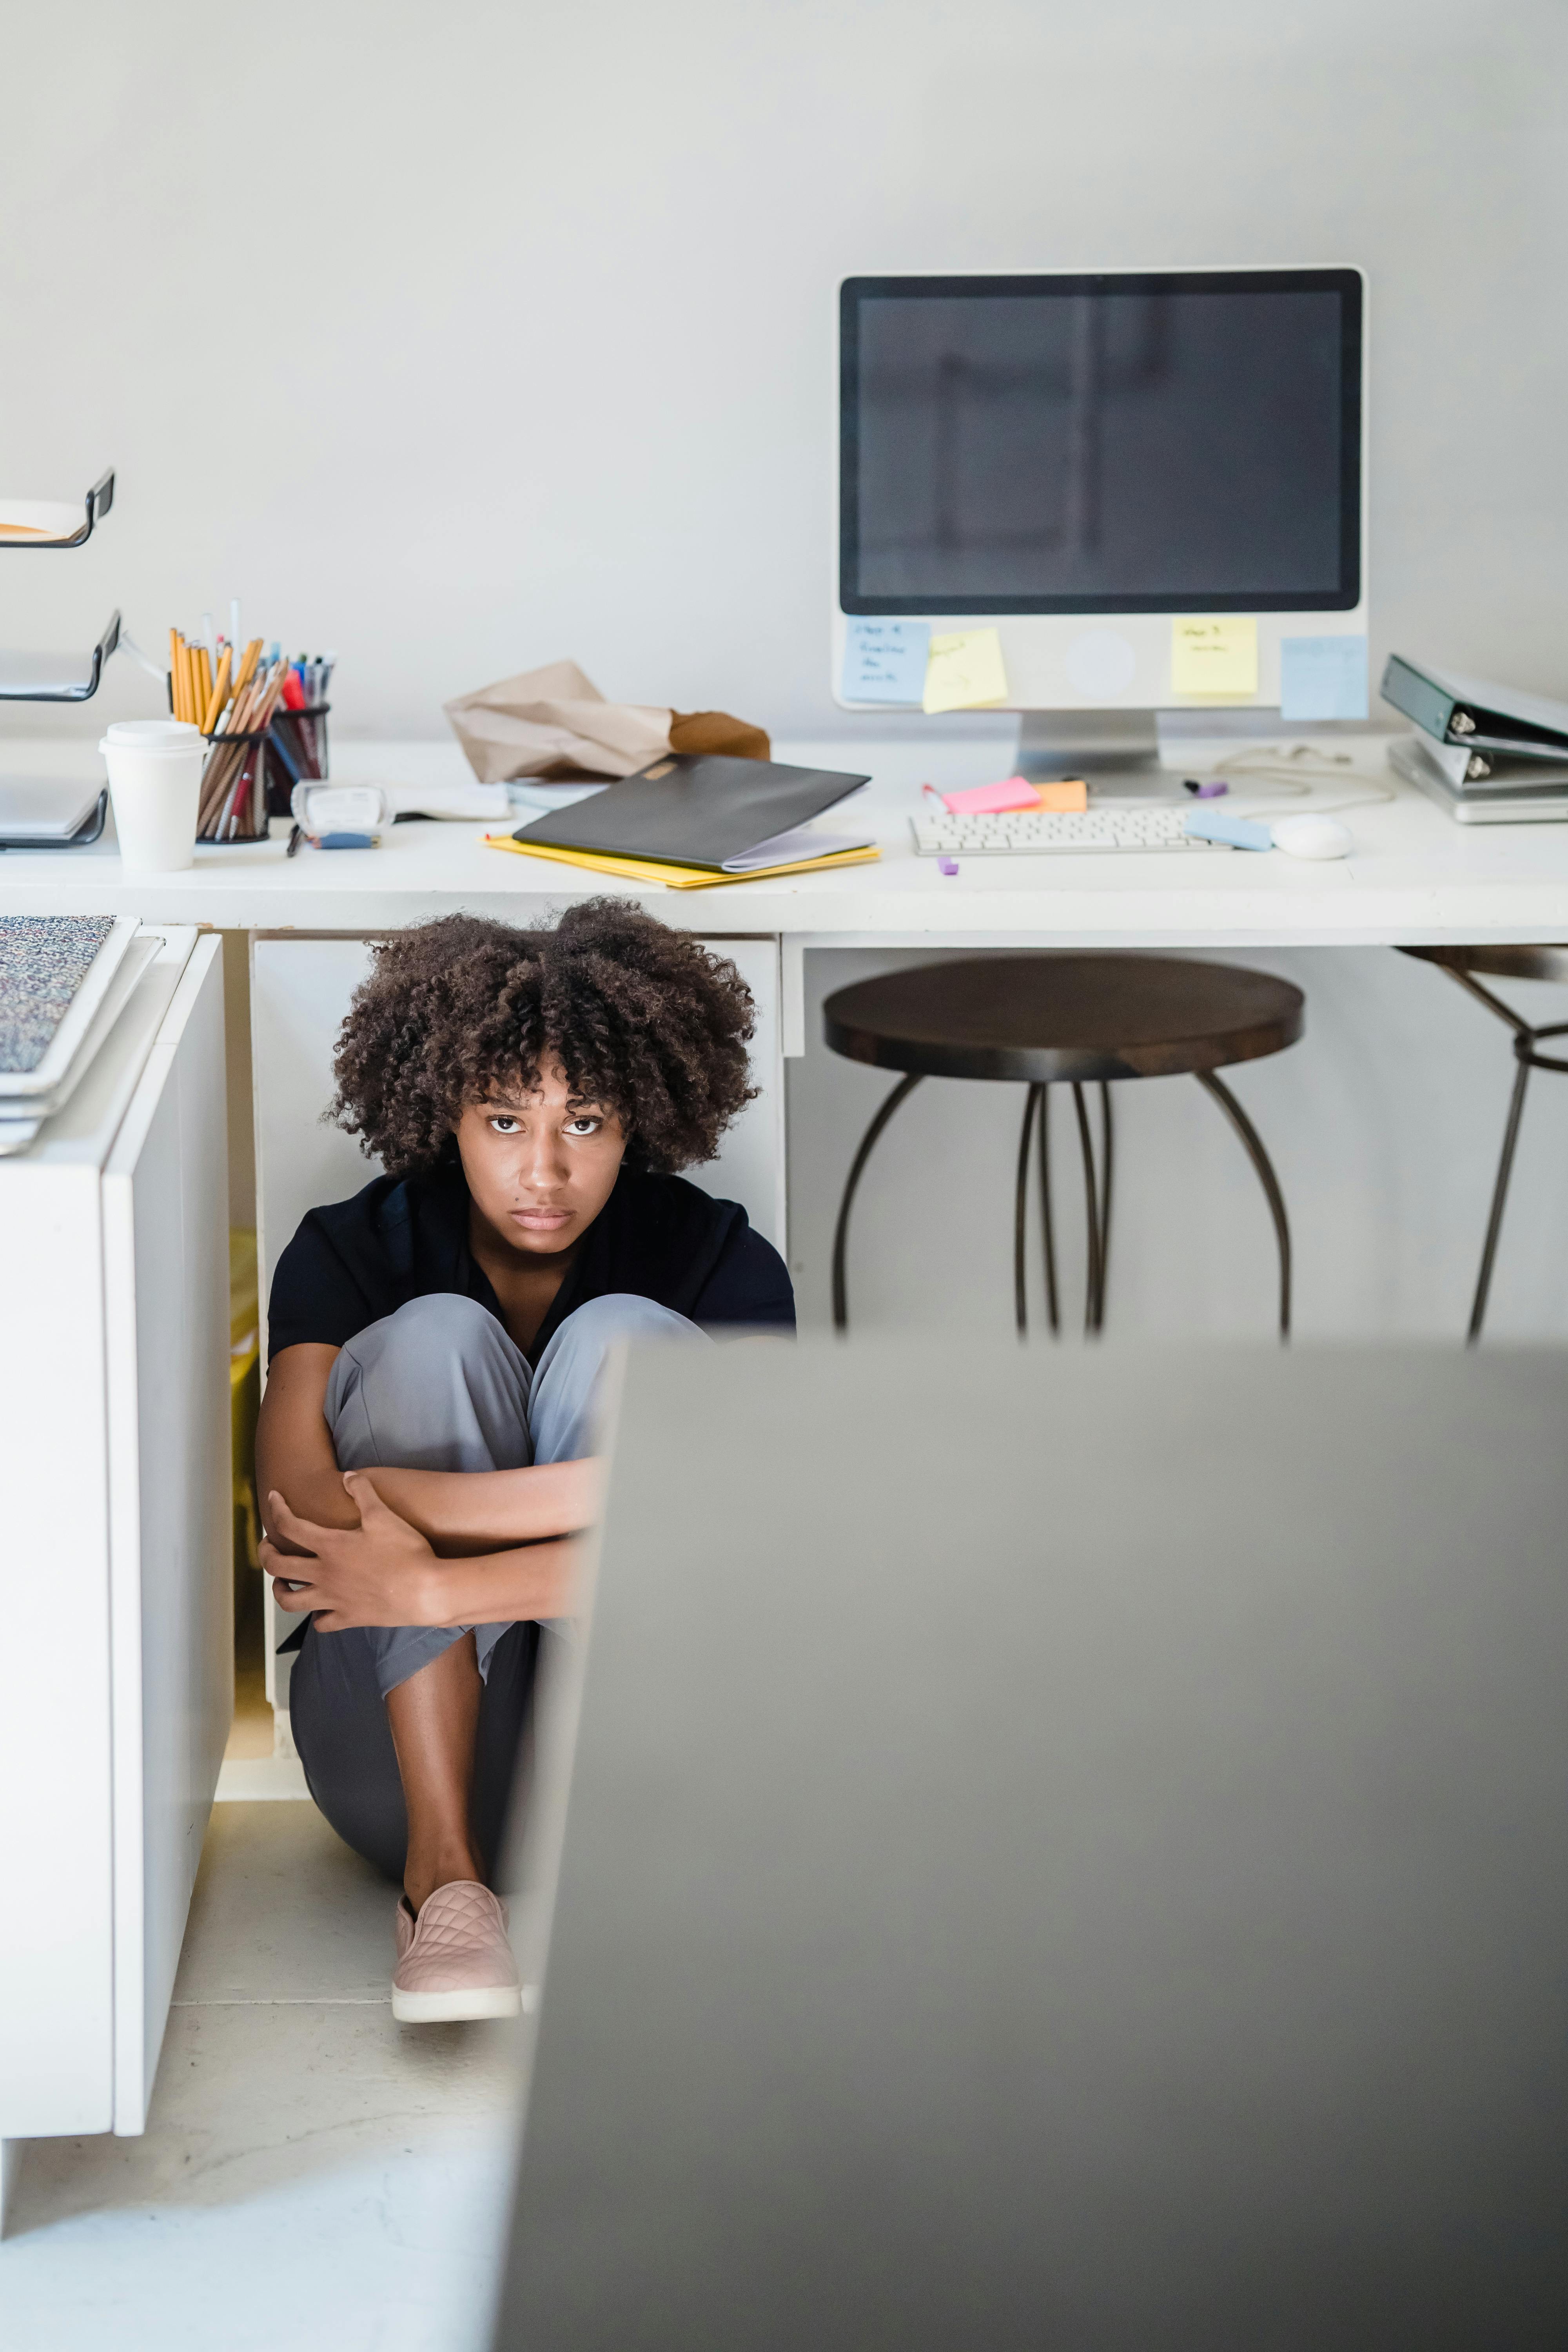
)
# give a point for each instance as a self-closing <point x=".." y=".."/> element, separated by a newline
<point x="693" y="808"/>
<point x="1476" y="713"/>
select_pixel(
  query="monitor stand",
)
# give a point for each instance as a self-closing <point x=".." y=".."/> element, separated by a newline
<point x="1117" y="752"/>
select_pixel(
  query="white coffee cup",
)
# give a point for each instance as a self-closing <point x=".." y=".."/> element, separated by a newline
<point x="154" y="780"/>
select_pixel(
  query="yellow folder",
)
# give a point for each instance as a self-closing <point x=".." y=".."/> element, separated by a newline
<point x="674" y="877"/>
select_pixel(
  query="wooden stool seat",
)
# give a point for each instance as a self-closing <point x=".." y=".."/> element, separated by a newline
<point x="1505" y="960"/>
<point x="1051" y="1017"/>
<point x="1061" y="1018"/>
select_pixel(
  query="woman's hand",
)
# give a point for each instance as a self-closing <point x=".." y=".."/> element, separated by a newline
<point x="382" y="1572"/>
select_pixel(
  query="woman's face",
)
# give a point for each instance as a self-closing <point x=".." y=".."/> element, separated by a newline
<point x="539" y="1168"/>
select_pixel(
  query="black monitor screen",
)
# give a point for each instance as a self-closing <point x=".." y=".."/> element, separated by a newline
<point x="1101" y="445"/>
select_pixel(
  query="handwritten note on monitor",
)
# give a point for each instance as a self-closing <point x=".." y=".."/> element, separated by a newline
<point x="885" y="661"/>
<point x="1322" y="678"/>
<point x="1217" y="654"/>
<point x="966" y="672"/>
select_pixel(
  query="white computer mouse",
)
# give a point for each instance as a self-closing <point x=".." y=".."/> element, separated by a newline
<point x="1312" y="836"/>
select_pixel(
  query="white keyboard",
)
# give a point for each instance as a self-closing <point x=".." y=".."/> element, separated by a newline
<point x="1033" y="833"/>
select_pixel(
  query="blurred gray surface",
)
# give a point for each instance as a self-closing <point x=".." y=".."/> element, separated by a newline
<point x="1064" y="1852"/>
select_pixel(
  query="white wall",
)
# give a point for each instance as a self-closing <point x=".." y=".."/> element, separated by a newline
<point x="458" y="338"/>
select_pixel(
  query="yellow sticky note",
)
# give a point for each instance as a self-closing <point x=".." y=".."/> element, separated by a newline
<point x="964" y="672"/>
<point x="1215" y="657"/>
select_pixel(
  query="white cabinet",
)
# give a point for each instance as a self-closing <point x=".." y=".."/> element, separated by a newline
<point x="117" y="1668"/>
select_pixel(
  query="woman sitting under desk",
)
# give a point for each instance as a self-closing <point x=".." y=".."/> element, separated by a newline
<point x="436" y="1343"/>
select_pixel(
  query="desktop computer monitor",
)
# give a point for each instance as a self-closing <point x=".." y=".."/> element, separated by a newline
<point x="1127" y="492"/>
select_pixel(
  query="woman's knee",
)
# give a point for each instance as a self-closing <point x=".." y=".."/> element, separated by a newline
<point x="565" y="1407"/>
<point x="623" y="1314"/>
<point x="436" y="1386"/>
<point x="442" y="1324"/>
<point x="442" y="1329"/>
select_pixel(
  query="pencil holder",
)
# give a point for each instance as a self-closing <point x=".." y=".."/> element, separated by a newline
<point x="234" y="795"/>
<point x="297" y="753"/>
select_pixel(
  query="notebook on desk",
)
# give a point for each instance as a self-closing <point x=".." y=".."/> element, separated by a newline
<point x="753" y="869"/>
<point x="693" y="810"/>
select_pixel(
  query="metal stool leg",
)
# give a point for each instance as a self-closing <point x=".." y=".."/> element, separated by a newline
<point x="1526" y="1043"/>
<point x="1499" y="1190"/>
<point x="905" y="1088"/>
<point x="1252" y="1143"/>
<point x="1048" y="1223"/>
<point x="1020" y="1296"/>
<point x="1094" y="1296"/>
<point x="1105" y="1157"/>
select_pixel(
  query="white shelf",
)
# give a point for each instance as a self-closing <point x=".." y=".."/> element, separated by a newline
<point x="57" y="677"/>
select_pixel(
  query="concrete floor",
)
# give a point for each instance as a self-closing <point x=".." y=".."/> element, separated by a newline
<point x="312" y="2175"/>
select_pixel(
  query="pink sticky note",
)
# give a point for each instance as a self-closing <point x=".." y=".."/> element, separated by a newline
<point x="990" y="800"/>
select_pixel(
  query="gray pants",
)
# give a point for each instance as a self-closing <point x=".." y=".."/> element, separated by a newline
<point x="440" y="1386"/>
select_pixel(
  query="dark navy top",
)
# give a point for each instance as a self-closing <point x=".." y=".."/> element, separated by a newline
<point x="404" y="1237"/>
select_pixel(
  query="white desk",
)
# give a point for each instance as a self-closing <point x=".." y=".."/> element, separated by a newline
<point x="1416" y="875"/>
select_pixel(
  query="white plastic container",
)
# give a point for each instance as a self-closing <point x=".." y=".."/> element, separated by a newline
<point x="154" y="780"/>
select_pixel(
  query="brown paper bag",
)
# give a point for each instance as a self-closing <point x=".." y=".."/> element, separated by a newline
<point x="556" y="724"/>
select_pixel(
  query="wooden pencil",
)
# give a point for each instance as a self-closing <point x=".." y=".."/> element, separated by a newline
<point x="225" y="791"/>
<point x="226" y="815"/>
<point x="248" y="664"/>
<point x="219" y="693"/>
<point x="215" y="779"/>
<point x="212" y="793"/>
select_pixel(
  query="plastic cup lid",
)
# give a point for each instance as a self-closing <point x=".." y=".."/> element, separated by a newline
<point x="150" y="735"/>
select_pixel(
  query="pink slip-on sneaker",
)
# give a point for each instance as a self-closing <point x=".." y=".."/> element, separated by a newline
<point x="453" y="1959"/>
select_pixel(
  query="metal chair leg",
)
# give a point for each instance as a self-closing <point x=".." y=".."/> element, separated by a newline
<point x="904" y="1088"/>
<point x="1048" y="1223"/>
<point x="1105" y="1158"/>
<point x="1252" y="1143"/>
<point x="1526" y="1045"/>
<point x="1021" y="1196"/>
<point x="1499" y="1190"/>
<point x="1094" y="1296"/>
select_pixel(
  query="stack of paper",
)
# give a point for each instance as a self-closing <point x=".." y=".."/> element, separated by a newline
<point x="49" y="811"/>
<point x="63" y="981"/>
<point x="38" y="522"/>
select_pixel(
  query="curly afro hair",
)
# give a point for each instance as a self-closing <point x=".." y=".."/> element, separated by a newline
<point x="643" y="1021"/>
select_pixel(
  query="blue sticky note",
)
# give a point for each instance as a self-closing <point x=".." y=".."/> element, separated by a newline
<point x="1322" y="678"/>
<point x="885" y="661"/>
<point x="1233" y="832"/>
